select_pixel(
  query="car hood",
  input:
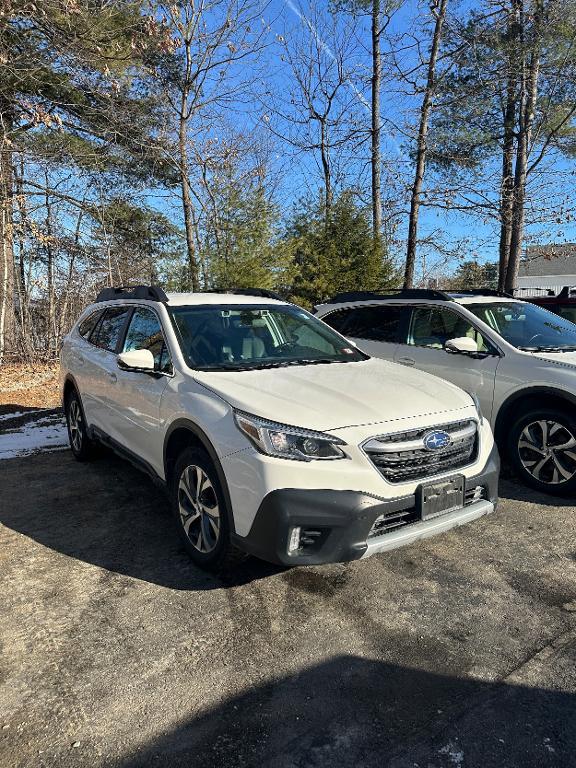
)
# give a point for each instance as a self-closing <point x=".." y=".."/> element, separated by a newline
<point x="337" y="395"/>
<point x="560" y="358"/>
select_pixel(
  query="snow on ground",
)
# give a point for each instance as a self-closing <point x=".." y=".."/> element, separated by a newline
<point x="44" y="433"/>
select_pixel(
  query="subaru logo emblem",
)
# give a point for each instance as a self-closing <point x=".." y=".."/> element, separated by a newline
<point x="433" y="441"/>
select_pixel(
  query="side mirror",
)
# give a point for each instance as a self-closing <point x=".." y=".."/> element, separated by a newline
<point x="136" y="360"/>
<point x="462" y="345"/>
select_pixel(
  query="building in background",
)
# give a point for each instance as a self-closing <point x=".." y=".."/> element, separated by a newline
<point x="550" y="267"/>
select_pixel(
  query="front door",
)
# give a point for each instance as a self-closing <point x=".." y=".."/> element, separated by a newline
<point x="428" y="330"/>
<point x="139" y="394"/>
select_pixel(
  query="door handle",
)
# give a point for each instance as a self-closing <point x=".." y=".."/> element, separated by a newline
<point x="112" y="375"/>
<point x="406" y="361"/>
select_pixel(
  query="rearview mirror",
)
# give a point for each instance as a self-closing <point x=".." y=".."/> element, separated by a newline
<point x="463" y="345"/>
<point x="136" y="360"/>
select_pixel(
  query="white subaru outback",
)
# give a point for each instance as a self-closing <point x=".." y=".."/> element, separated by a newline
<point x="272" y="433"/>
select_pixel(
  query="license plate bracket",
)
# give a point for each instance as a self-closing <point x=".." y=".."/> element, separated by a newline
<point x="441" y="497"/>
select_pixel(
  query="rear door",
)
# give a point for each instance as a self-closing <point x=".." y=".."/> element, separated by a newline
<point x="375" y="329"/>
<point x="105" y="340"/>
<point x="427" y="331"/>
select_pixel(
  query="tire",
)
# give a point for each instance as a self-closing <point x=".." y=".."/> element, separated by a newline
<point x="201" y="513"/>
<point x="542" y="450"/>
<point x="82" y="447"/>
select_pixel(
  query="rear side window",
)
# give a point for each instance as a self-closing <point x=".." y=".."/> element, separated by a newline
<point x="567" y="311"/>
<point x="373" y="323"/>
<point x="110" y="327"/>
<point x="89" y="323"/>
<point x="145" y="332"/>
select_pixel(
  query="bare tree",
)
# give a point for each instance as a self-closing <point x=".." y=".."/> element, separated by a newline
<point x="206" y="72"/>
<point x="438" y="8"/>
<point x="318" y="112"/>
<point x="529" y="73"/>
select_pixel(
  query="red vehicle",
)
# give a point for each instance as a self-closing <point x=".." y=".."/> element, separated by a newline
<point x="563" y="303"/>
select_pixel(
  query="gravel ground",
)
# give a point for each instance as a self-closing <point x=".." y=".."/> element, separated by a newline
<point x="457" y="651"/>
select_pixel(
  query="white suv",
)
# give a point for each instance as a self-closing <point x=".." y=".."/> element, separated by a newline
<point x="272" y="433"/>
<point x="518" y="358"/>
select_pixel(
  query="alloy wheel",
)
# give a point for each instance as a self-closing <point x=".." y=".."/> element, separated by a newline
<point x="199" y="509"/>
<point x="75" y="425"/>
<point x="547" y="450"/>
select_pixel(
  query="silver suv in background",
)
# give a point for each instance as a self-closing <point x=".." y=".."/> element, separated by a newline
<point x="516" y="357"/>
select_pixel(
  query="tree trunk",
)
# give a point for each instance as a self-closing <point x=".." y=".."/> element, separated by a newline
<point x="528" y="95"/>
<point x="440" y="8"/>
<point x="6" y="233"/>
<point x="328" y="195"/>
<point x="187" y="206"/>
<point x="375" y="133"/>
<point x="507" y="186"/>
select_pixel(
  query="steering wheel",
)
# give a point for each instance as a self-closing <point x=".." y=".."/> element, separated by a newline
<point x="534" y="338"/>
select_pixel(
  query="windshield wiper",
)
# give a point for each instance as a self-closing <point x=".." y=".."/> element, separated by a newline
<point x="547" y="349"/>
<point x="296" y="361"/>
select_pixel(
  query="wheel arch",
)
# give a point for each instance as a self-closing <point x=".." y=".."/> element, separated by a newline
<point x="69" y="385"/>
<point x="527" y="398"/>
<point x="182" y="434"/>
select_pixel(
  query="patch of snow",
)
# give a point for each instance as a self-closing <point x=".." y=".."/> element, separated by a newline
<point x="455" y="754"/>
<point x="16" y="414"/>
<point x="47" y="433"/>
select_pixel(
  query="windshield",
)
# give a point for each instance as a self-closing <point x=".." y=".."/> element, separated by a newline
<point x="247" y="337"/>
<point x="527" y="326"/>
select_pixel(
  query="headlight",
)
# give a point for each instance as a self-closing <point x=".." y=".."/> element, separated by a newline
<point x="289" y="442"/>
<point x="474" y="397"/>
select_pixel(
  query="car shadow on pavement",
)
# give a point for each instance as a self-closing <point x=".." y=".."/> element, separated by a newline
<point x="108" y="514"/>
<point x="351" y="712"/>
<point x="515" y="490"/>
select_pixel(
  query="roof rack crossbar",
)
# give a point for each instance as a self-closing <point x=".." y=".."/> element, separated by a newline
<point x="391" y="293"/>
<point x="149" y="292"/>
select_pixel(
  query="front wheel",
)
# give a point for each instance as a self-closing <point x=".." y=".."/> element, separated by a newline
<point x="201" y="512"/>
<point x="542" y="448"/>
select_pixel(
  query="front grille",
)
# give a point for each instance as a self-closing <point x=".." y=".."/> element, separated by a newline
<point x="402" y="457"/>
<point x="389" y="522"/>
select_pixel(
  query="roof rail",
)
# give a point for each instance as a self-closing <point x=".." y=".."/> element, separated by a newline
<point x="150" y="292"/>
<point x="393" y="293"/>
<point x="482" y="292"/>
<point x="262" y="292"/>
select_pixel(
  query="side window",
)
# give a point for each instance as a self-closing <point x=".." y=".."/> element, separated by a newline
<point x="373" y="323"/>
<point x="89" y="323"/>
<point x="108" y="331"/>
<point x="339" y="320"/>
<point x="567" y="311"/>
<point x="145" y="332"/>
<point x="433" y="326"/>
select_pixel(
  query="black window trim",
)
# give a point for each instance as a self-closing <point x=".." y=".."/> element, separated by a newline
<point x="99" y="312"/>
<point x="96" y="328"/>
<point x="405" y="312"/>
<point x="424" y="305"/>
<point x="124" y="333"/>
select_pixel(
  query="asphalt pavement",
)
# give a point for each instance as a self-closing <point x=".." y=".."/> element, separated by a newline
<point x="116" y="651"/>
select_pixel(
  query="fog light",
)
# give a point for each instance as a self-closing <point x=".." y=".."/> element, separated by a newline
<point x="294" y="540"/>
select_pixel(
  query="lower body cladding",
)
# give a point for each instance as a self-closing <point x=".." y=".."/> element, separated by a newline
<point x="310" y="527"/>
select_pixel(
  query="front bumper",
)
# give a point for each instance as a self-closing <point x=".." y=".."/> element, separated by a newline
<point x="336" y="524"/>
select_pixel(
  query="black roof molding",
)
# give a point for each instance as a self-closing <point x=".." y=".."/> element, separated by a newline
<point x="481" y="292"/>
<point x="149" y="292"/>
<point x="393" y="293"/>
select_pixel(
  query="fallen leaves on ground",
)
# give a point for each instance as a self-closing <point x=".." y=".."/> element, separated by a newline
<point x="30" y="385"/>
